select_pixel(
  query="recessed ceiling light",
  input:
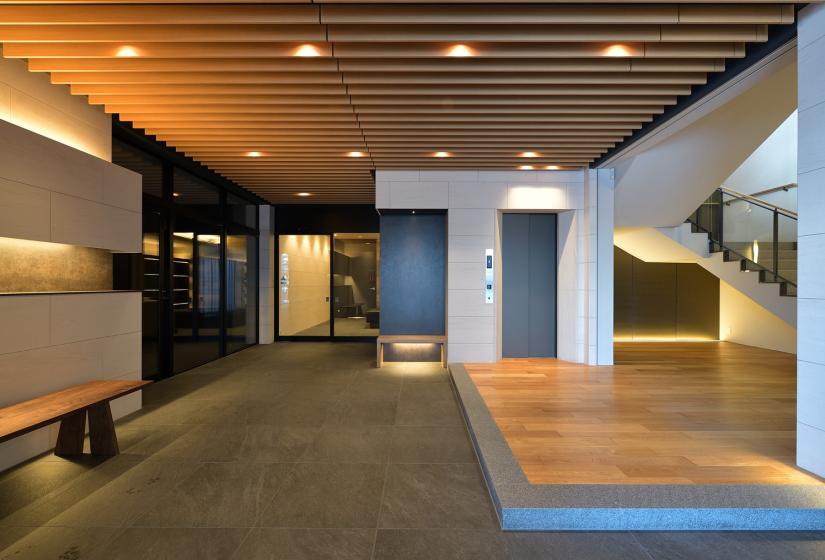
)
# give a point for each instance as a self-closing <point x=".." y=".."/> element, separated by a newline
<point x="529" y="154"/>
<point x="303" y="194"/>
<point x="307" y="50"/>
<point x="355" y="154"/>
<point x="253" y="154"/>
<point x="525" y="167"/>
<point x="617" y="50"/>
<point x="460" y="51"/>
<point x="551" y="167"/>
<point x="442" y="154"/>
<point x="176" y="194"/>
<point x="127" y="51"/>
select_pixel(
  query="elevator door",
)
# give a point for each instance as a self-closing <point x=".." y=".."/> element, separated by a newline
<point x="528" y="285"/>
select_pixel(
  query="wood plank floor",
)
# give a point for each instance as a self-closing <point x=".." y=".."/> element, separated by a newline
<point x="666" y="413"/>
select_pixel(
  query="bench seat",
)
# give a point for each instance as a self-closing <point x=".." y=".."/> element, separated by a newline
<point x="70" y="406"/>
<point x="411" y="338"/>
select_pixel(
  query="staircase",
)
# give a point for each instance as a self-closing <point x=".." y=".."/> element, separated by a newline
<point x="753" y="232"/>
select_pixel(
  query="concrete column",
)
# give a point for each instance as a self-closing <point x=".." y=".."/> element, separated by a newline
<point x="810" y="453"/>
<point x="266" y="276"/>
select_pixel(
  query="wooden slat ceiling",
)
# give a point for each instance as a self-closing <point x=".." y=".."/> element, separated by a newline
<point x="489" y="85"/>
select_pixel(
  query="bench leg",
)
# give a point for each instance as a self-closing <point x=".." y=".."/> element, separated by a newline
<point x="70" y="436"/>
<point x="102" y="435"/>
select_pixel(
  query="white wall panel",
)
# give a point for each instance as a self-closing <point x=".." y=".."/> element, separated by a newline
<point x="421" y="194"/>
<point x="471" y="222"/>
<point x="81" y="222"/>
<point x="24" y="323"/>
<point x="468" y="248"/>
<point x="478" y="195"/>
<point x="24" y="211"/>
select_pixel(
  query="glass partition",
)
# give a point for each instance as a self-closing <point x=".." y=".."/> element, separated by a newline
<point x="355" y="284"/>
<point x="241" y="295"/>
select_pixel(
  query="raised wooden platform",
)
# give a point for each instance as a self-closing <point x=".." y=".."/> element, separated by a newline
<point x="666" y="413"/>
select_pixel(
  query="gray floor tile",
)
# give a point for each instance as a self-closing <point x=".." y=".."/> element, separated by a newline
<point x="328" y="495"/>
<point x="411" y="444"/>
<point x="126" y="497"/>
<point x="217" y="495"/>
<point x="708" y="546"/>
<point x="275" y="444"/>
<point x="369" y="404"/>
<point x="562" y="546"/>
<point x="794" y="545"/>
<point x="27" y="483"/>
<point x="61" y="543"/>
<point x="428" y="404"/>
<point x="365" y="444"/>
<point x="189" y="411"/>
<point x="439" y="544"/>
<point x="289" y="413"/>
<point x="173" y="544"/>
<point x="307" y="544"/>
<point x="436" y="496"/>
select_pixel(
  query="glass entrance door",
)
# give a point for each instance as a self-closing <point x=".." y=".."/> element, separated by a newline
<point x="304" y="285"/>
<point x="196" y="294"/>
<point x="155" y="295"/>
<point x="355" y="284"/>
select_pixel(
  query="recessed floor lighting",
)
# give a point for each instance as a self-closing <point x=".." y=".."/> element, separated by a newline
<point x="127" y="51"/>
<point x="551" y="167"/>
<point x="307" y="50"/>
<point x="617" y="51"/>
<point x="442" y="154"/>
<point x="303" y="194"/>
<point x="525" y="167"/>
<point x="460" y="51"/>
<point x="529" y="154"/>
<point x="253" y="154"/>
<point x="355" y="154"/>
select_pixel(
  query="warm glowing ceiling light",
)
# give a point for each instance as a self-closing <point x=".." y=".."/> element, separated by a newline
<point x="355" y="154"/>
<point x="176" y="194"/>
<point x="253" y="154"/>
<point x="442" y="154"/>
<point x="617" y="50"/>
<point x="551" y="167"/>
<point x="460" y="51"/>
<point x="525" y="167"/>
<point x="303" y="194"/>
<point x="529" y="154"/>
<point x="127" y="51"/>
<point x="307" y="50"/>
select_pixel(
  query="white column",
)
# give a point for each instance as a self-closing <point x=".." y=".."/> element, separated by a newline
<point x="810" y="452"/>
<point x="596" y="248"/>
<point x="266" y="276"/>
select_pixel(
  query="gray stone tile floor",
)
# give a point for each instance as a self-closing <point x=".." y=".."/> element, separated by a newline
<point x="305" y="451"/>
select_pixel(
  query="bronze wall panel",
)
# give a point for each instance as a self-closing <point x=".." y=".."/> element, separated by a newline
<point x="35" y="266"/>
<point x="663" y="300"/>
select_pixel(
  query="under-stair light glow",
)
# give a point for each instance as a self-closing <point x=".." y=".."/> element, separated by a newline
<point x="528" y="154"/>
<point x="617" y="51"/>
<point x="307" y="50"/>
<point x="304" y="194"/>
<point x="355" y="154"/>
<point x="460" y="51"/>
<point x="253" y="154"/>
<point x="442" y="154"/>
<point x="551" y="167"/>
<point x="525" y="167"/>
<point x="127" y="51"/>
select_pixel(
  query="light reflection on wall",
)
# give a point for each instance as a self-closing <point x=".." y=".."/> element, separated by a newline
<point x="38" y="266"/>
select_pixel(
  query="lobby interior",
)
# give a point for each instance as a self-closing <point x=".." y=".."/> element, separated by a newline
<point x="374" y="280"/>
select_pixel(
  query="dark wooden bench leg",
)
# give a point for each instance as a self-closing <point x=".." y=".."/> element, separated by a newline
<point x="70" y="436"/>
<point x="102" y="435"/>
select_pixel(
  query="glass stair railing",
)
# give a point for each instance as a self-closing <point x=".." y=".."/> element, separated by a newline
<point x="759" y="234"/>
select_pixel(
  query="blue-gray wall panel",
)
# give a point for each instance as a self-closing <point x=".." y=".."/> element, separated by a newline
<point x="413" y="274"/>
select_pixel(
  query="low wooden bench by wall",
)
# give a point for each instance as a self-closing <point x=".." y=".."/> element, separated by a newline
<point x="70" y="407"/>
<point x="411" y="338"/>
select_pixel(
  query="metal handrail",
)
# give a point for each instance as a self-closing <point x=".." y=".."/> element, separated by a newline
<point x="759" y="202"/>
<point x="785" y="187"/>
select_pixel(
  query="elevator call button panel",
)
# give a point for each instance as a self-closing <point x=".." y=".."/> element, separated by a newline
<point x="488" y="276"/>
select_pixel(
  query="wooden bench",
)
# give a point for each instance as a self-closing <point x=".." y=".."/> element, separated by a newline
<point x="412" y="338"/>
<point x="70" y="407"/>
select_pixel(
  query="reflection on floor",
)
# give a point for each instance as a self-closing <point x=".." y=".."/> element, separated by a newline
<point x="304" y="451"/>
<point x="667" y="413"/>
<point x="344" y="326"/>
